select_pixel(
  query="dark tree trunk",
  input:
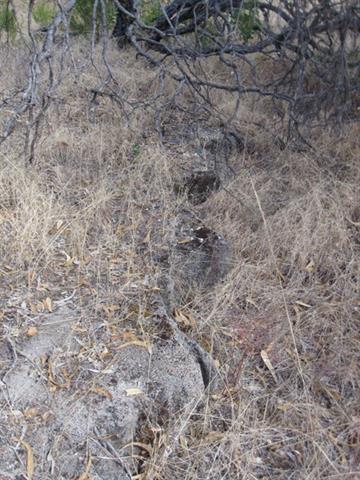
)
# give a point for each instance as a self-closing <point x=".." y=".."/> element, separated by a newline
<point x="123" y="21"/>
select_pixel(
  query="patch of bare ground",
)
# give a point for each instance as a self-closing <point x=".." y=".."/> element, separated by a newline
<point x="259" y="268"/>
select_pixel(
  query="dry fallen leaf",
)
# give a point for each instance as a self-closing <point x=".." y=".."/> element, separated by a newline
<point x="29" y="459"/>
<point x="251" y="301"/>
<point x="310" y="267"/>
<point x="32" y="331"/>
<point x="70" y="261"/>
<point x="143" y="446"/>
<point x="266" y="360"/>
<point x="147" y="238"/>
<point x="185" y="240"/>
<point x="104" y="354"/>
<point x="110" y="309"/>
<point x="302" y="304"/>
<point x="183" y="442"/>
<point x="129" y="335"/>
<point x="184" y="319"/>
<point x="34" y="308"/>
<point x="85" y="474"/>
<point x="31" y="412"/>
<point x="285" y="406"/>
<point x="132" y="392"/>
<point x="48" y="304"/>
<point x="45" y="416"/>
<point x="17" y="414"/>
<point x="213" y="437"/>
<point x="78" y="328"/>
<point x="51" y="377"/>
<point x="101" y="391"/>
<point x="31" y="277"/>
<point x="137" y="343"/>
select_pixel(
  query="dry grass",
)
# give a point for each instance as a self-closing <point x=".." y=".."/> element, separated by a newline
<point x="284" y="323"/>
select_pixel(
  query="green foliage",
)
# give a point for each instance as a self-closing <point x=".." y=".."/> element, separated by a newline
<point x="135" y="150"/>
<point x="205" y="39"/>
<point x="43" y="13"/>
<point x="7" y="20"/>
<point x="150" y="11"/>
<point x="246" y="20"/>
<point x="81" y="21"/>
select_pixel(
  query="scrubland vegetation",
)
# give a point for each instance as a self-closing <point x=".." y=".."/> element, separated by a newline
<point x="95" y="203"/>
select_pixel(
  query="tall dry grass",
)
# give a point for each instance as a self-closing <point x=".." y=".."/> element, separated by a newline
<point x="283" y="325"/>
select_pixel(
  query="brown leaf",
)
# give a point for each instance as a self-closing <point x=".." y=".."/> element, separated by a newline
<point x="32" y="331"/>
<point x="31" y="412"/>
<point x="137" y="343"/>
<point x="101" y="391"/>
<point x="143" y="446"/>
<point x="266" y="360"/>
<point x="184" y="319"/>
<point x="51" y="377"/>
<point x="310" y="267"/>
<point x="110" y="309"/>
<point x="85" y="474"/>
<point x="30" y="277"/>
<point x="48" y="304"/>
<point x="147" y="238"/>
<point x="70" y="261"/>
<point x="34" y="307"/>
